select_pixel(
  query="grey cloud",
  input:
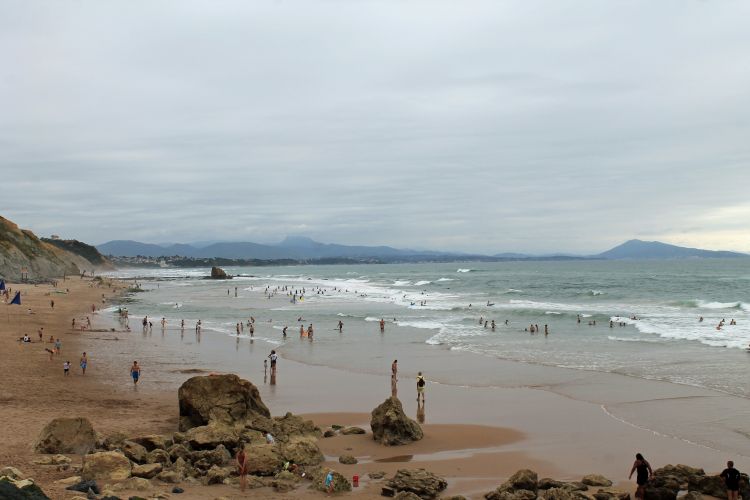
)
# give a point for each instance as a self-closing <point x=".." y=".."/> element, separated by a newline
<point x="482" y="126"/>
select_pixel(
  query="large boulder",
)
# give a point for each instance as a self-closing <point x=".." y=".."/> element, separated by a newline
<point x="302" y="451"/>
<point x="418" y="481"/>
<point x="523" y="479"/>
<point x="710" y="485"/>
<point x="390" y="425"/>
<point x="66" y="435"/>
<point x="659" y="494"/>
<point x="682" y="473"/>
<point x="559" y="494"/>
<point x="263" y="459"/>
<point x="291" y="425"/>
<point x="106" y="466"/>
<point x="218" y="398"/>
<point x="206" y="437"/>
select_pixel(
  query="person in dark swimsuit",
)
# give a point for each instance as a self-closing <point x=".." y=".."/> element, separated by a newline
<point x="731" y="478"/>
<point x="643" y="469"/>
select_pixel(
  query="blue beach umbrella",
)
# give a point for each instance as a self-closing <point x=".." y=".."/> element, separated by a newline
<point x="16" y="300"/>
<point x="2" y="285"/>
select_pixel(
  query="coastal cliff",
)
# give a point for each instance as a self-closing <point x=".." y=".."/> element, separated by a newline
<point x="43" y="259"/>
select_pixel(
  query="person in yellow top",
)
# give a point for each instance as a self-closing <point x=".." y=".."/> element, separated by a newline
<point x="421" y="383"/>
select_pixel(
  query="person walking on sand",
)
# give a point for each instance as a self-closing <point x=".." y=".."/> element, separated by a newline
<point x="135" y="372"/>
<point x="643" y="469"/>
<point x="241" y="459"/>
<point x="421" y="383"/>
<point x="329" y="482"/>
<point x="66" y="368"/>
<point x="394" y="370"/>
<point x="731" y="478"/>
<point x="84" y="363"/>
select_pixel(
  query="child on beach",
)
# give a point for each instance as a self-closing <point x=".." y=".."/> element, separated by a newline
<point x="84" y="363"/>
<point x="241" y="460"/>
<point x="66" y="368"/>
<point x="329" y="482"/>
<point x="420" y="387"/>
<point x="135" y="372"/>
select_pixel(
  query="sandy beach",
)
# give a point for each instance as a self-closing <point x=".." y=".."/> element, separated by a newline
<point x="475" y="437"/>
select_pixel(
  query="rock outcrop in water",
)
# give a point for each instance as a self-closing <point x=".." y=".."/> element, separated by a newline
<point x="218" y="273"/>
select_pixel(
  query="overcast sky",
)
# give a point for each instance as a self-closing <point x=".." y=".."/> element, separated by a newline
<point x="459" y="125"/>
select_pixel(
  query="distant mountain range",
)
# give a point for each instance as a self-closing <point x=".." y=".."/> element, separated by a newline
<point x="302" y="248"/>
<point x="638" y="249"/>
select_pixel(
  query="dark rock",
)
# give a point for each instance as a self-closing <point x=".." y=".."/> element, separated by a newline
<point x="177" y="490"/>
<point x="561" y="494"/>
<point x="546" y="483"/>
<point x="664" y="481"/>
<point x="693" y="495"/>
<point x="523" y="479"/>
<point x="376" y="475"/>
<point x="218" y="398"/>
<point x="84" y="487"/>
<point x="66" y="435"/>
<point x="708" y="485"/>
<point x="418" y="481"/>
<point x="347" y="459"/>
<point x="218" y="273"/>
<point x="659" y="494"/>
<point x="9" y="491"/>
<point x="390" y="425"/>
<point x="336" y="427"/>
<point x="329" y="433"/>
<point x="178" y="451"/>
<point x="682" y="472"/>
<point x="611" y="494"/>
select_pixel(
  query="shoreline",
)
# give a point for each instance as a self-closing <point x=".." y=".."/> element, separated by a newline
<point x="544" y="425"/>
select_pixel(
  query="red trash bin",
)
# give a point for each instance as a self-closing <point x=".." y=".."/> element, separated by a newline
<point x="355" y="480"/>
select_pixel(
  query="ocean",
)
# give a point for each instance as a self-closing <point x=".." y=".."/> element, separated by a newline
<point x="432" y="313"/>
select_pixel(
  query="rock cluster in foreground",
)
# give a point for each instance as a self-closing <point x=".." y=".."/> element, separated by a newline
<point x="220" y="414"/>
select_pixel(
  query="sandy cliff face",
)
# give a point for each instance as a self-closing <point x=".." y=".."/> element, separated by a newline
<point x="22" y="249"/>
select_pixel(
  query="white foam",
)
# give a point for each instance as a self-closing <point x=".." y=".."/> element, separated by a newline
<point x="445" y="279"/>
<point x="463" y="270"/>
<point x="422" y="283"/>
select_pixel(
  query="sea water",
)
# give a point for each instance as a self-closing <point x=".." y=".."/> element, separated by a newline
<point x="432" y="314"/>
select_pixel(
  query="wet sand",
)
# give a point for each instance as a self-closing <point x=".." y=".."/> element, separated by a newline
<point x="475" y="436"/>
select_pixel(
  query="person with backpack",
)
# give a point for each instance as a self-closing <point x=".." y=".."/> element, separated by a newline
<point x="421" y="383"/>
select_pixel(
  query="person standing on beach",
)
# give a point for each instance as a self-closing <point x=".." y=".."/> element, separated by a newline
<point x="421" y="383"/>
<point x="135" y="372"/>
<point x="643" y="469"/>
<point x="241" y="460"/>
<point x="273" y="357"/>
<point x="731" y="478"/>
<point x="341" y="326"/>
<point x="382" y="325"/>
<point x="66" y="368"/>
<point x="84" y="363"/>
